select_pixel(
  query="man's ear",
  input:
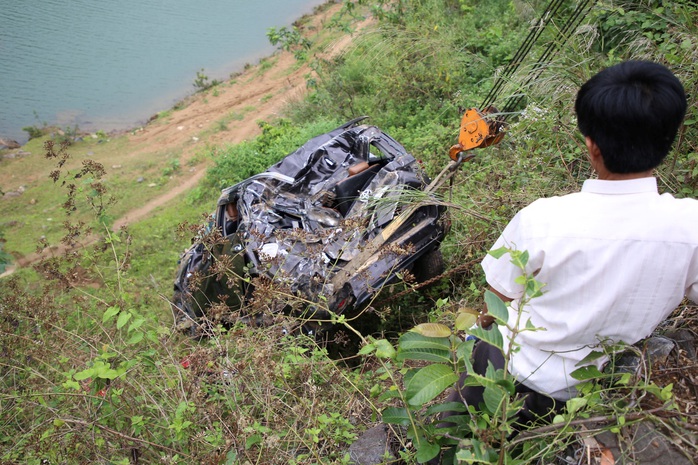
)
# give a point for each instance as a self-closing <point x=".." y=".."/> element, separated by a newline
<point x="594" y="152"/>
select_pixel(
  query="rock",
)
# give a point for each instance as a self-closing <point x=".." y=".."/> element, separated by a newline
<point x="11" y="195"/>
<point x="9" y="144"/>
<point x="685" y="339"/>
<point x="645" y="444"/>
<point x="116" y="167"/>
<point x="372" y="447"/>
<point x="656" y="350"/>
<point x="141" y="179"/>
<point x="152" y="184"/>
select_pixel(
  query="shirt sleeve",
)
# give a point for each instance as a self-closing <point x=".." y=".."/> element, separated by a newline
<point x="501" y="274"/>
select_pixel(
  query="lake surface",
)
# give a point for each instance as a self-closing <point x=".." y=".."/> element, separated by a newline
<point x="112" y="64"/>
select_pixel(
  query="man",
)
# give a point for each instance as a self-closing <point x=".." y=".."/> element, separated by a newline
<point x="616" y="258"/>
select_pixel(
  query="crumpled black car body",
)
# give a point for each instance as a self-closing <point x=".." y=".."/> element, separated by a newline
<point x="317" y="234"/>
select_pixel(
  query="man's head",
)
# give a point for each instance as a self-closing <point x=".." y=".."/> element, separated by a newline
<point x="632" y="112"/>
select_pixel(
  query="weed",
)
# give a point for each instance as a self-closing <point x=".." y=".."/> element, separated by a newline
<point x="173" y="167"/>
<point x="201" y="82"/>
<point x="221" y="125"/>
<point x="290" y="40"/>
<point x="34" y="132"/>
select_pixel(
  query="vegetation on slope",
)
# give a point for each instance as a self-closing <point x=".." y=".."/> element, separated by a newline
<point x="94" y="371"/>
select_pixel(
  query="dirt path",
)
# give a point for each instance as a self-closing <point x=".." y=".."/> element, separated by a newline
<point x="225" y="115"/>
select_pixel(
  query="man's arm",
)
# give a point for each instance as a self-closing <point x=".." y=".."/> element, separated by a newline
<point x="486" y="320"/>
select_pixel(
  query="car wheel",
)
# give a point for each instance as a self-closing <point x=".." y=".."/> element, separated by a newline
<point x="184" y="321"/>
<point x="428" y="266"/>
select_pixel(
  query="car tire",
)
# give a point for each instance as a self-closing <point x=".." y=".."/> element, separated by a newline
<point x="428" y="266"/>
<point x="185" y="321"/>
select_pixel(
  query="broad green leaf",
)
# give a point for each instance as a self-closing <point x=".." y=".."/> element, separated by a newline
<point x="135" y="339"/>
<point x="396" y="416"/>
<point x="492" y="336"/>
<point x="493" y="397"/>
<point x="123" y="319"/>
<point x="466" y="318"/>
<point x="464" y="351"/>
<point x="508" y="385"/>
<point x="497" y="375"/>
<point x="414" y="346"/>
<point x="534" y="288"/>
<point x="432" y="330"/>
<point x="593" y="355"/>
<point x="498" y="253"/>
<point x="84" y="374"/>
<point x="367" y="349"/>
<point x="384" y="349"/>
<point x="667" y="392"/>
<point x="519" y="258"/>
<point x="253" y="440"/>
<point x="231" y="457"/>
<point x="426" y="451"/>
<point x="136" y="323"/>
<point x="586" y="372"/>
<point x="389" y="394"/>
<point x="574" y="404"/>
<point x="428" y="383"/>
<point x="496" y="307"/>
<point x="427" y="355"/>
<point x="106" y="372"/>
<point x="473" y="379"/>
<point x="412" y="340"/>
<point x="70" y="384"/>
<point x="110" y="313"/>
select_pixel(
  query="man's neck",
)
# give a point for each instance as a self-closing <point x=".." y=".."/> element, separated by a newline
<point x="605" y="175"/>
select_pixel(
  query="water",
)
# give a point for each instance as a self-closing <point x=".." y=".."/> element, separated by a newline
<point x="111" y="65"/>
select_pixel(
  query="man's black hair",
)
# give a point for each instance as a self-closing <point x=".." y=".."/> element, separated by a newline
<point x="632" y="111"/>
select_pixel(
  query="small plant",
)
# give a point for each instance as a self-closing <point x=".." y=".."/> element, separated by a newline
<point x="221" y="125"/>
<point x="201" y="82"/>
<point x="173" y="167"/>
<point x="291" y="40"/>
<point x="37" y="130"/>
<point x="34" y="132"/>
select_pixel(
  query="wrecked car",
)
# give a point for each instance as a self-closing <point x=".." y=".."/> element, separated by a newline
<point x="316" y="235"/>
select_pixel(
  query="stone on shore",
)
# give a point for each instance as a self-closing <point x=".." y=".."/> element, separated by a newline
<point x="8" y="144"/>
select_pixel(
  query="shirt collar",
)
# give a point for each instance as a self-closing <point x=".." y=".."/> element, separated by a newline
<point x="632" y="186"/>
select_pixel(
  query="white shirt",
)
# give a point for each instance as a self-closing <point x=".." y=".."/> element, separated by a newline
<point x="616" y="259"/>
